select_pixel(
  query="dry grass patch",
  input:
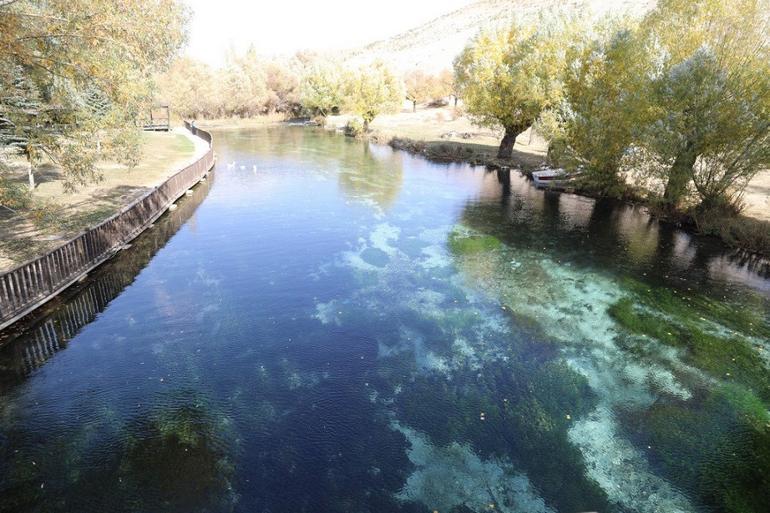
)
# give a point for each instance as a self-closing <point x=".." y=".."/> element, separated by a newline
<point x="28" y="234"/>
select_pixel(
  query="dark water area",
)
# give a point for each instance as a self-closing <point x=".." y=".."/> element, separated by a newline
<point x="328" y="325"/>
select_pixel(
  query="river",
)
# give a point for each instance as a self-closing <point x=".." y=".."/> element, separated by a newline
<point x="332" y="326"/>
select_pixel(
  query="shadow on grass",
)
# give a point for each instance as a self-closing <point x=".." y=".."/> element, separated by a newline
<point x="25" y="235"/>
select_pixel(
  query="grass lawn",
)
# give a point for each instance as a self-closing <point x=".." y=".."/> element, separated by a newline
<point x="447" y="133"/>
<point x="163" y="153"/>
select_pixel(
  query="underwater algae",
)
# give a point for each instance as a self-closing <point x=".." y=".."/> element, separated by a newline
<point x="138" y="459"/>
<point x="354" y="349"/>
<point x="718" y="348"/>
<point x="463" y="243"/>
<point x="511" y="412"/>
<point x="717" y="444"/>
<point x="726" y="356"/>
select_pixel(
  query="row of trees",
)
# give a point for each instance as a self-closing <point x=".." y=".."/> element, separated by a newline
<point x="680" y="97"/>
<point x="247" y="85"/>
<point x="367" y="91"/>
<point x="305" y="83"/>
<point x="75" y="75"/>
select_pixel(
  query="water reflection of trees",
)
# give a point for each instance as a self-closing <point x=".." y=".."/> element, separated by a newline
<point x="609" y="235"/>
<point x="50" y="329"/>
<point x="372" y="174"/>
<point x="364" y="172"/>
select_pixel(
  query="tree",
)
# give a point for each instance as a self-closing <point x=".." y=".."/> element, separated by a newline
<point x="446" y="85"/>
<point x="23" y="118"/>
<point x="373" y="90"/>
<point x="191" y="89"/>
<point x="711" y="96"/>
<point x="507" y="78"/>
<point x="322" y="88"/>
<point x="66" y="50"/>
<point x="243" y="85"/>
<point x="605" y="102"/>
<point x="420" y="87"/>
<point x="282" y="78"/>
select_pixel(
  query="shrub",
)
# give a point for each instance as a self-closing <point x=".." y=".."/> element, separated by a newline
<point x="354" y="128"/>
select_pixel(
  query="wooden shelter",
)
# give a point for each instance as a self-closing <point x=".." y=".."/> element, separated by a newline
<point x="160" y="119"/>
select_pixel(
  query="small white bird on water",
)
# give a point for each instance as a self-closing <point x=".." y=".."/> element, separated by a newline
<point x="231" y="165"/>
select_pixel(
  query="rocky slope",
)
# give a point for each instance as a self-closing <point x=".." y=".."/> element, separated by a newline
<point x="433" y="45"/>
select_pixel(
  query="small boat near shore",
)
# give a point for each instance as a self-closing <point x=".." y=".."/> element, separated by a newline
<point x="551" y="178"/>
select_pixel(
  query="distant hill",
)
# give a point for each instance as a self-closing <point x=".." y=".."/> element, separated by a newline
<point x="434" y="45"/>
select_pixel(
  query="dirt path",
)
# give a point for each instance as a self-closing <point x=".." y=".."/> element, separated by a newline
<point x="757" y="197"/>
<point x="163" y="154"/>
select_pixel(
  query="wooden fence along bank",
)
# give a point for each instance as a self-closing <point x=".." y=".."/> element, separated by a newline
<point x="30" y="285"/>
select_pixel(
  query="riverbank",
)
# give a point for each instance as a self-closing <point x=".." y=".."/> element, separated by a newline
<point x="441" y="135"/>
<point x="23" y="237"/>
<point x="242" y="123"/>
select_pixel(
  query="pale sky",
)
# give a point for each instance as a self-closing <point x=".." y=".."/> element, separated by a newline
<point x="285" y="26"/>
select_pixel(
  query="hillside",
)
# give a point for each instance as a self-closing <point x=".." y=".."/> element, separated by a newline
<point x="433" y="45"/>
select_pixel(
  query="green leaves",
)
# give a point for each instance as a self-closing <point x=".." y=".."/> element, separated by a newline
<point x="322" y="88"/>
<point x="678" y="103"/>
<point x="76" y="74"/>
<point x="507" y="78"/>
<point x="373" y="90"/>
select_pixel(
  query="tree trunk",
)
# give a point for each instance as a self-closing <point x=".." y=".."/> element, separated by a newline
<point x="679" y="176"/>
<point x="509" y="139"/>
<point x="31" y="175"/>
<point x="456" y="98"/>
<point x="414" y="105"/>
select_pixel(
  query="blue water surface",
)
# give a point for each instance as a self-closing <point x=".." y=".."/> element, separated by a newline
<point x="332" y="325"/>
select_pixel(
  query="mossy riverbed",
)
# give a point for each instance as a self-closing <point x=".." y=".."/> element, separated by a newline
<point x="342" y="327"/>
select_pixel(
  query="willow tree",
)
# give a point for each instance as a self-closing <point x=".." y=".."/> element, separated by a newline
<point x="606" y="90"/>
<point x="282" y="78"/>
<point x="67" y="50"/>
<point x="373" y="90"/>
<point x="507" y="78"/>
<point x="243" y="86"/>
<point x="711" y="95"/>
<point x="322" y="88"/>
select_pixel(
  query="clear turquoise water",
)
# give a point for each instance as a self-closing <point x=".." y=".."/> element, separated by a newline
<point x="327" y="325"/>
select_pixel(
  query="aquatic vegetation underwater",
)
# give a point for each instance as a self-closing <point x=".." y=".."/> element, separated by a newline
<point x="143" y="473"/>
<point x="463" y="242"/>
<point x="343" y="328"/>
<point x="705" y="423"/>
<point x="716" y="446"/>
